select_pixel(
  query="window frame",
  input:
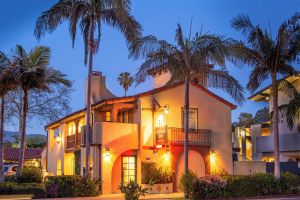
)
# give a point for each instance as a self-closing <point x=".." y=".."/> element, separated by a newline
<point x="122" y="168"/>
<point x="183" y="116"/>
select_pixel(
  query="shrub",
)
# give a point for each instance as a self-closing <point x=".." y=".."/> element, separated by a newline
<point x="71" y="186"/>
<point x="151" y="174"/>
<point x="30" y="175"/>
<point x="289" y="183"/>
<point x="187" y="182"/>
<point x="210" y="187"/>
<point x="132" y="191"/>
<point x="9" y="188"/>
<point x="253" y="185"/>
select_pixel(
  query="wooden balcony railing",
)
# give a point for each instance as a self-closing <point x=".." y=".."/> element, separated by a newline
<point x="71" y="140"/>
<point x="196" y="136"/>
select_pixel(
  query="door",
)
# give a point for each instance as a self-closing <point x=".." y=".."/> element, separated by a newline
<point x="128" y="169"/>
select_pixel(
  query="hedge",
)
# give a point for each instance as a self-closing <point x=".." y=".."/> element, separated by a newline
<point x="8" y="188"/>
<point x="71" y="186"/>
<point x="213" y="187"/>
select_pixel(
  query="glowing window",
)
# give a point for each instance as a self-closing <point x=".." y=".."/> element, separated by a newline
<point x="80" y="125"/>
<point x="160" y="120"/>
<point x="128" y="169"/>
<point x="71" y="128"/>
<point x="107" y="116"/>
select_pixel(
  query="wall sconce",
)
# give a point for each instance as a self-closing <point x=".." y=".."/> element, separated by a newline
<point x="58" y="139"/>
<point x="166" y="109"/>
<point x="167" y="155"/>
<point x="158" y="146"/>
<point x="212" y="154"/>
<point x="243" y="133"/>
<point x="106" y="154"/>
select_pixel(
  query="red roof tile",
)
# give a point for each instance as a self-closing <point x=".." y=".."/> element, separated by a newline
<point x="12" y="154"/>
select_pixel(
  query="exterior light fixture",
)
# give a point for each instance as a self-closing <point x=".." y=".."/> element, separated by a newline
<point x="106" y="154"/>
<point x="212" y="154"/>
<point x="58" y="139"/>
<point x="159" y="146"/>
<point x="267" y="98"/>
<point x="166" y="109"/>
<point x="167" y="155"/>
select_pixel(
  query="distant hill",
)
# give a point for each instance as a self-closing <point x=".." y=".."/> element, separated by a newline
<point x="9" y="136"/>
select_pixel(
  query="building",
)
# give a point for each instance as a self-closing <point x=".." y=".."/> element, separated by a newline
<point x="257" y="142"/>
<point x="32" y="156"/>
<point x="147" y="127"/>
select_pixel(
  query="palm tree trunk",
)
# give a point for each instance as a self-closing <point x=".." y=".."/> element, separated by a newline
<point x="186" y="128"/>
<point x="23" y="136"/>
<point x="88" y="104"/>
<point x="2" y="141"/>
<point x="275" y="125"/>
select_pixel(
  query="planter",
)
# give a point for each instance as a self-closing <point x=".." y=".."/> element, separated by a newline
<point x="163" y="188"/>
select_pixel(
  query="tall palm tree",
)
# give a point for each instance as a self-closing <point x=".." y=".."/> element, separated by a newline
<point x="90" y="15"/>
<point x="7" y="83"/>
<point x="125" y="80"/>
<point x="190" y="59"/>
<point x="34" y="74"/>
<point x="268" y="57"/>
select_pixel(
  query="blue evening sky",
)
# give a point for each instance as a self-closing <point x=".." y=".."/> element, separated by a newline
<point x="158" y="17"/>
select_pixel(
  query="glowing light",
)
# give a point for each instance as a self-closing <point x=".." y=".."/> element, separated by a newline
<point x="167" y="155"/>
<point x="212" y="155"/>
<point x="243" y="133"/>
<point x="267" y="98"/>
<point x="58" y="139"/>
<point x="159" y="146"/>
<point x="106" y="154"/>
<point x="166" y="109"/>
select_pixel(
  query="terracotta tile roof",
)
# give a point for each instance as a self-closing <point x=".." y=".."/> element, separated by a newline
<point x="12" y="154"/>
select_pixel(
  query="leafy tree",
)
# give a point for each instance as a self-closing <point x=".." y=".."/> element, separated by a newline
<point x="262" y="115"/>
<point x="43" y="107"/>
<point x="34" y="74"/>
<point x="125" y="80"/>
<point x="36" y="141"/>
<point x="90" y="16"/>
<point x="8" y="80"/>
<point x="187" y="61"/>
<point x="246" y="119"/>
<point x="268" y="57"/>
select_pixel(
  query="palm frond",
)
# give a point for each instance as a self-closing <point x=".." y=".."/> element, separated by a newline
<point x="291" y="111"/>
<point x="222" y="80"/>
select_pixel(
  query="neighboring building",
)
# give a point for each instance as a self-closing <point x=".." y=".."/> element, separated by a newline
<point x="32" y="156"/>
<point x="146" y="127"/>
<point x="257" y="142"/>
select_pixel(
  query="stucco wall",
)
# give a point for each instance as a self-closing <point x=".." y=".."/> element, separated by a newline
<point x="212" y="114"/>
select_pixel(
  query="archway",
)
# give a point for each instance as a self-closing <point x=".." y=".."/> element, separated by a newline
<point x="196" y="164"/>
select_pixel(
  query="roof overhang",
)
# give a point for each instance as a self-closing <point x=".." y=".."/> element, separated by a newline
<point x="263" y="95"/>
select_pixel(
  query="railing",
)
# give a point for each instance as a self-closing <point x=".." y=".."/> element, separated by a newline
<point x="196" y="136"/>
<point x="71" y="139"/>
<point x="78" y="140"/>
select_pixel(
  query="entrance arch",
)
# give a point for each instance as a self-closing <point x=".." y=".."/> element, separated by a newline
<point x="196" y="164"/>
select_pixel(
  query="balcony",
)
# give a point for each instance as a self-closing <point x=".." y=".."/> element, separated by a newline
<point x="196" y="136"/>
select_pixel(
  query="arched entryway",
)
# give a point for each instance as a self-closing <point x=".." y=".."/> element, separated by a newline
<point x="124" y="169"/>
<point x="196" y="164"/>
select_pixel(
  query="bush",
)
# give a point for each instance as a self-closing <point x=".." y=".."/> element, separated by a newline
<point x="187" y="182"/>
<point x="151" y="174"/>
<point x="210" y="187"/>
<point x="71" y="186"/>
<point x="289" y="183"/>
<point x="9" y="188"/>
<point x="253" y="185"/>
<point x="132" y="191"/>
<point x="30" y="175"/>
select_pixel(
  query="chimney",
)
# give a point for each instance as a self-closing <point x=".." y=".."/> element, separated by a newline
<point x="98" y="90"/>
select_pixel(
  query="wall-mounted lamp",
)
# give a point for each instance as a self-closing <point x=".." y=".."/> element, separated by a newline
<point x="106" y="154"/>
<point x="166" y="109"/>
<point x="58" y="139"/>
<point x="212" y="154"/>
<point x="167" y="155"/>
<point x="158" y="146"/>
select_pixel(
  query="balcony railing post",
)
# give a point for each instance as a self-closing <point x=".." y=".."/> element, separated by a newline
<point x="196" y="136"/>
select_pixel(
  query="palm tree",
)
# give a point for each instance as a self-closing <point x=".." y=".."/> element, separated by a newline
<point x="34" y="75"/>
<point x="7" y="83"/>
<point x="188" y="60"/>
<point x="125" y="80"/>
<point x="268" y="57"/>
<point x="89" y="15"/>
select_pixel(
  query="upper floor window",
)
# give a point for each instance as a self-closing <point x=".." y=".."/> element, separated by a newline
<point x="125" y="116"/>
<point x="71" y="128"/>
<point x="81" y="123"/>
<point x="193" y="118"/>
<point x="108" y="116"/>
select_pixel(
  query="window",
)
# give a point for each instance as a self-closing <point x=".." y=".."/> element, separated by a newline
<point x="125" y="116"/>
<point x="71" y="128"/>
<point x="80" y="125"/>
<point x="128" y="169"/>
<point x="107" y="116"/>
<point x="193" y="118"/>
